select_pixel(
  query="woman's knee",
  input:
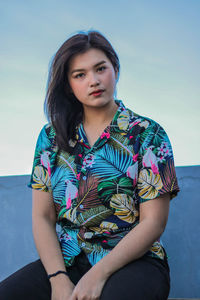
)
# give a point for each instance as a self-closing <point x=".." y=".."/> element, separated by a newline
<point x="138" y="280"/>
<point x="28" y="283"/>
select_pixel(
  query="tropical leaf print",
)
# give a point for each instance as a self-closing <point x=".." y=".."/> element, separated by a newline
<point x="66" y="161"/>
<point x="150" y="160"/>
<point x="91" y="248"/>
<point x="96" y="256"/>
<point x="160" y="136"/>
<point x="71" y="192"/>
<point x="108" y="226"/>
<point x="120" y="142"/>
<point x="157" y="250"/>
<point x="124" y="207"/>
<point x="122" y="185"/>
<point x="149" y="184"/>
<point x="50" y="131"/>
<point x="168" y="177"/>
<point x="70" y="214"/>
<point x="110" y="163"/>
<point x="69" y="245"/>
<point x="123" y="120"/>
<point x="58" y="181"/>
<point x="104" y="227"/>
<point x="144" y="124"/>
<point x="88" y="196"/>
<point x="97" y="190"/>
<point x="93" y="216"/>
<point x="41" y="179"/>
<point x="132" y="172"/>
<point x="43" y="142"/>
<point x="146" y="137"/>
<point x="117" y="139"/>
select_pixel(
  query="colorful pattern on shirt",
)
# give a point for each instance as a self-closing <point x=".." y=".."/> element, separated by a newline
<point x="97" y="190"/>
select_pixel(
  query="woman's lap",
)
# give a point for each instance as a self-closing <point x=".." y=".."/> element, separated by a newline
<point x="143" y="279"/>
<point x="28" y="283"/>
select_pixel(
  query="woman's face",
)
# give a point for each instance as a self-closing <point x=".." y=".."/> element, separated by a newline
<point x="91" y="72"/>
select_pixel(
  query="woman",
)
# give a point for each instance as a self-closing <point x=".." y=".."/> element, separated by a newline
<point x="102" y="181"/>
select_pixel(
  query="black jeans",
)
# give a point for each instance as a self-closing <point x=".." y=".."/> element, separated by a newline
<point x="143" y="279"/>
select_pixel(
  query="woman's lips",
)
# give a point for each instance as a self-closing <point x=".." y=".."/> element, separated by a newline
<point x="97" y="93"/>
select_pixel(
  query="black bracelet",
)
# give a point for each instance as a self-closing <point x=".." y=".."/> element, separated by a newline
<point x="55" y="274"/>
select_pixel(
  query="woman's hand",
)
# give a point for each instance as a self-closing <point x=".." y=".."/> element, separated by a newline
<point x="61" y="288"/>
<point x="89" y="286"/>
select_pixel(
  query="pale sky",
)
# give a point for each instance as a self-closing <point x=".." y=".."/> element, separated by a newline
<point x="158" y="44"/>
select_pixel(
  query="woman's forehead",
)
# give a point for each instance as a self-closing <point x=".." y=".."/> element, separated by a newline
<point x="87" y="59"/>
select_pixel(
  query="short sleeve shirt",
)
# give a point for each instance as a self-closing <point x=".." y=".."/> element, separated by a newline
<point x="97" y="190"/>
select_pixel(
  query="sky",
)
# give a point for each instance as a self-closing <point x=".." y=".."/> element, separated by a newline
<point x="158" y="44"/>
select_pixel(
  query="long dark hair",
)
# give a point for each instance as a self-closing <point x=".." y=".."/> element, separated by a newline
<point x="62" y="109"/>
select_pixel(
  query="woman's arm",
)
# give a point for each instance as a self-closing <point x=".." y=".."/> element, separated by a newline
<point x="46" y="241"/>
<point x="153" y="219"/>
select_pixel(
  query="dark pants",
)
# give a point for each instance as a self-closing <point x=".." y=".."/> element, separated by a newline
<point x="143" y="279"/>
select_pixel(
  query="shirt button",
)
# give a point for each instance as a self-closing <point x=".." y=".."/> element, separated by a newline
<point x="84" y="177"/>
<point x="83" y="244"/>
<point x="81" y="206"/>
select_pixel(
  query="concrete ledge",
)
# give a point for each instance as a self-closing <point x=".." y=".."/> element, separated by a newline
<point x="181" y="237"/>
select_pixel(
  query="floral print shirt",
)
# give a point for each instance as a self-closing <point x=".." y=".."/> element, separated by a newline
<point x="97" y="190"/>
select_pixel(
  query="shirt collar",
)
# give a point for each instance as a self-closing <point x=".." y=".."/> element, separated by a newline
<point x="119" y="124"/>
<point x="121" y="119"/>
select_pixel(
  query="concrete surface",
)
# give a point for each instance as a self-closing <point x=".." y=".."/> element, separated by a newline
<point x="181" y="237"/>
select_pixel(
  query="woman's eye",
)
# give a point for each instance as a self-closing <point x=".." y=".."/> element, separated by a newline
<point x="79" y="75"/>
<point x="101" y="68"/>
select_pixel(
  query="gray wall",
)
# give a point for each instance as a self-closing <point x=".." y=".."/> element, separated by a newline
<point x="181" y="237"/>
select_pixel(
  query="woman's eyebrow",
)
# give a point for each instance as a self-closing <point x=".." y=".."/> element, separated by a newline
<point x="96" y="65"/>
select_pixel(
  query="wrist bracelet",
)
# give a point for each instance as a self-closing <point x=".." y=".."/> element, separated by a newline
<point x="55" y="274"/>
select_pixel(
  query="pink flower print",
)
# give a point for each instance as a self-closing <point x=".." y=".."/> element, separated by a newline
<point x="104" y="241"/>
<point x="135" y="123"/>
<point x="154" y="168"/>
<point x="167" y="152"/>
<point x="135" y="157"/>
<point x="84" y="161"/>
<point x="132" y="172"/>
<point x="88" y="161"/>
<point x="131" y="136"/>
<point x="150" y="160"/>
<point x="66" y="237"/>
<point x="161" y="159"/>
<point x="164" y="149"/>
<point x="80" y="155"/>
<point x="45" y="161"/>
<point x="78" y="176"/>
<point x="71" y="192"/>
<point x="106" y="134"/>
<point x="160" y="150"/>
<point x="102" y="136"/>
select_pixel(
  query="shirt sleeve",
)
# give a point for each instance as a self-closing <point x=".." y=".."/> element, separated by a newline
<point x="41" y="170"/>
<point x="157" y="174"/>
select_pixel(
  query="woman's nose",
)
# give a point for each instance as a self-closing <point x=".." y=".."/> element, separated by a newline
<point x="94" y="80"/>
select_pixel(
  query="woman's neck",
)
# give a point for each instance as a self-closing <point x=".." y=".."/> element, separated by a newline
<point x="101" y="116"/>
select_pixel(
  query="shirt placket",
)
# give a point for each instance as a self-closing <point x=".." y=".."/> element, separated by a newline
<point x="88" y="152"/>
